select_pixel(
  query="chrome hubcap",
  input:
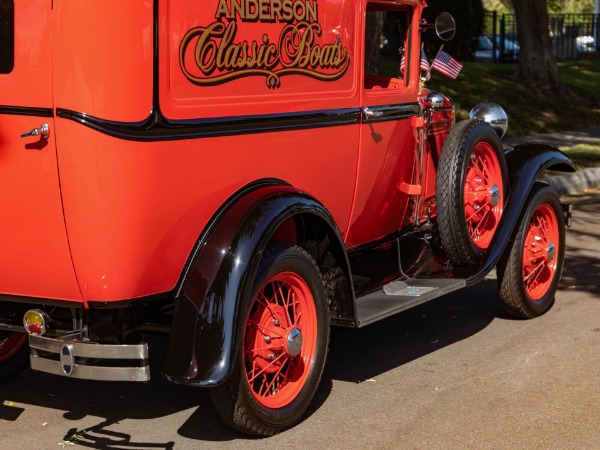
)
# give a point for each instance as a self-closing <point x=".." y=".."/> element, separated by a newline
<point x="494" y="195"/>
<point x="294" y="342"/>
<point x="551" y="251"/>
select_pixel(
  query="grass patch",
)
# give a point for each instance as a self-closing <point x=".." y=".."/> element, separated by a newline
<point x="584" y="155"/>
<point x="529" y="112"/>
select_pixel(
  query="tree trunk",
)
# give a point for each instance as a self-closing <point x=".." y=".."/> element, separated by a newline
<point x="374" y="30"/>
<point x="537" y="64"/>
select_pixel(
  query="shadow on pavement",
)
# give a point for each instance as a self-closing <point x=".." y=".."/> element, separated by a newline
<point x="355" y="355"/>
<point x="358" y="355"/>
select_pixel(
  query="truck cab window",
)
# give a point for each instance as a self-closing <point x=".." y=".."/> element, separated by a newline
<point x="386" y="36"/>
<point x="7" y="29"/>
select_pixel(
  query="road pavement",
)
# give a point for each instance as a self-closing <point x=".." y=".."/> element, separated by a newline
<point x="457" y="373"/>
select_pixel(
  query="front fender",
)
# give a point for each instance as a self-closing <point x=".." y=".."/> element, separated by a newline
<point x="525" y="163"/>
<point x="205" y="330"/>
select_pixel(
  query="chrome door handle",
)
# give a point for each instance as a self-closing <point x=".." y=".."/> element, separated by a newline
<point x="370" y="113"/>
<point x="43" y="131"/>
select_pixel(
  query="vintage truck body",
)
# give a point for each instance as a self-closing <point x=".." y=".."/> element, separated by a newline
<point x="241" y="174"/>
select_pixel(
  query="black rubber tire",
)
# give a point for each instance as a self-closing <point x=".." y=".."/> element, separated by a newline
<point x="14" y="366"/>
<point x="511" y="284"/>
<point x="234" y="400"/>
<point x="452" y="167"/>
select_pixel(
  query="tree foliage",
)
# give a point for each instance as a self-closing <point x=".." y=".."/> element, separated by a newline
<point x="571" y="6"/>
<point x="554" y="6"/>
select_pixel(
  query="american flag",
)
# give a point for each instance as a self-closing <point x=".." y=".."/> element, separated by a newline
<point x="424" y="62"/>
<point x="424" y="65"/>
<point x="446" y="64"/>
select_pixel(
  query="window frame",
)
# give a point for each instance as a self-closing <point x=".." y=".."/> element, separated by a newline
<point x="386" y="83"/>
<point x="7" y="36"/>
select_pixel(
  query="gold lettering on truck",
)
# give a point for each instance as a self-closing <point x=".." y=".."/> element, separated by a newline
<point x="211" y="55"/>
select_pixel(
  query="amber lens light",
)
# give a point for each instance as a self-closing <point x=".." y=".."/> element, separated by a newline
<point x="35" y="322"/>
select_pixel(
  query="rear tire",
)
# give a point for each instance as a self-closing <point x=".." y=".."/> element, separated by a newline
<point x="283" y="346"/>
<point x="529" y="271"/>
<point x="14" y="354"/>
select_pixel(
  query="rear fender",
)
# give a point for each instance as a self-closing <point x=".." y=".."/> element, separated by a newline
<point x="526" y="163"/>
<point x="206" y="326"/>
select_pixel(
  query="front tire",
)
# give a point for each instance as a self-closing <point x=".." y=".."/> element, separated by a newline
<point x="529" y="271"/>
<point x="284" y="341"/>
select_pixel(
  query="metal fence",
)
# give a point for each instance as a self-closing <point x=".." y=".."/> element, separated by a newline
<point x="573" y="36"/>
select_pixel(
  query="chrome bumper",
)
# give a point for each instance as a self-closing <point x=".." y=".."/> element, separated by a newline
<point x="89" y="361"/>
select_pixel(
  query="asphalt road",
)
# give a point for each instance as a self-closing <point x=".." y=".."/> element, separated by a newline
<point x="456" y="373"/>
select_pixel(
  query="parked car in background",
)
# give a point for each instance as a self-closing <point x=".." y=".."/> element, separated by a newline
<point x="585" y="44"/>
<point x="505" y="50"/>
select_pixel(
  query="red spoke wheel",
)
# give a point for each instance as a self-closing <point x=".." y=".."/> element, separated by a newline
<point x="284" y="340"/>
<point x="14" y="354"/>
<point x="483" y="194"/>
<point x="470" y="194"/>
<point x="539" y="252"/>
<point x="529" y="271"/>
<point x="280" y="340"/>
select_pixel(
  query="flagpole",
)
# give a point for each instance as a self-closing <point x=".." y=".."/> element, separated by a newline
<point x="438" y="52"/>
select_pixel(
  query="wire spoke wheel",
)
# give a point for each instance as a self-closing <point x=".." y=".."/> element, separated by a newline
<point x="14" y="354"/>
<point x="539" y="252"/>
<point x="10" y="344"/>
<point x="280" y="340"/>
<point x="283" y="345"/>
<point x="483" y="194"/>
<point x="530" y="269"/>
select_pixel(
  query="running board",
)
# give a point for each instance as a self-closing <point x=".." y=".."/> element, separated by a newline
<point x="400" y="295"/>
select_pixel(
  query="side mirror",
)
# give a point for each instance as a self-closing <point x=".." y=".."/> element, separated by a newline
<point x="445" y="26"/>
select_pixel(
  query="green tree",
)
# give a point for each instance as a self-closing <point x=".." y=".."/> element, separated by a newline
<point x="554" y="6"/>
<point x="571" y="6"/>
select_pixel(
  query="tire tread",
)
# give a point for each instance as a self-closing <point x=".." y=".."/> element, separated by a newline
<point x="509" y="269"/>
<point x="449" y="204"/>
<point x="229" y="399"/>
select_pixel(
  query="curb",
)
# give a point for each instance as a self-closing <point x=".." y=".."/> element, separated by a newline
<point x="575" y="183"/>
<point x="572" y="183"/>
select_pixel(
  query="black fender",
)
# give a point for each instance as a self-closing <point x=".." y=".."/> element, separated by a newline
<point x="525" y="163"/>
<point x="205" y="331"/>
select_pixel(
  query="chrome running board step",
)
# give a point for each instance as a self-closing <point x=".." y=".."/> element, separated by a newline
<point x="400" y="295"/>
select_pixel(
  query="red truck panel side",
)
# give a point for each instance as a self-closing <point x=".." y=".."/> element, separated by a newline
<point x="135" y="209"/>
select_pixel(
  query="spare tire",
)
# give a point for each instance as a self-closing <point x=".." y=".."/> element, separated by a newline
<point x="471" y="189"/>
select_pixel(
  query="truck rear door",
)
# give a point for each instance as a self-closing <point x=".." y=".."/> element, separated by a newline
<point x="34" y="251"/>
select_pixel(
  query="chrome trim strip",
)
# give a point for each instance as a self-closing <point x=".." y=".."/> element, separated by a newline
<point x="15" y="328"/>
<point x="156" y="127"/>
<point x="47" y="355"/>
<point x="26" y="111"/>
<point x="89" y="349"/>
<point x="92" y="372"/>
<point x="385" y="113"/>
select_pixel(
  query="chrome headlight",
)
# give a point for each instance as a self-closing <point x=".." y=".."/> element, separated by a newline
<point x="492" y="114"/>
